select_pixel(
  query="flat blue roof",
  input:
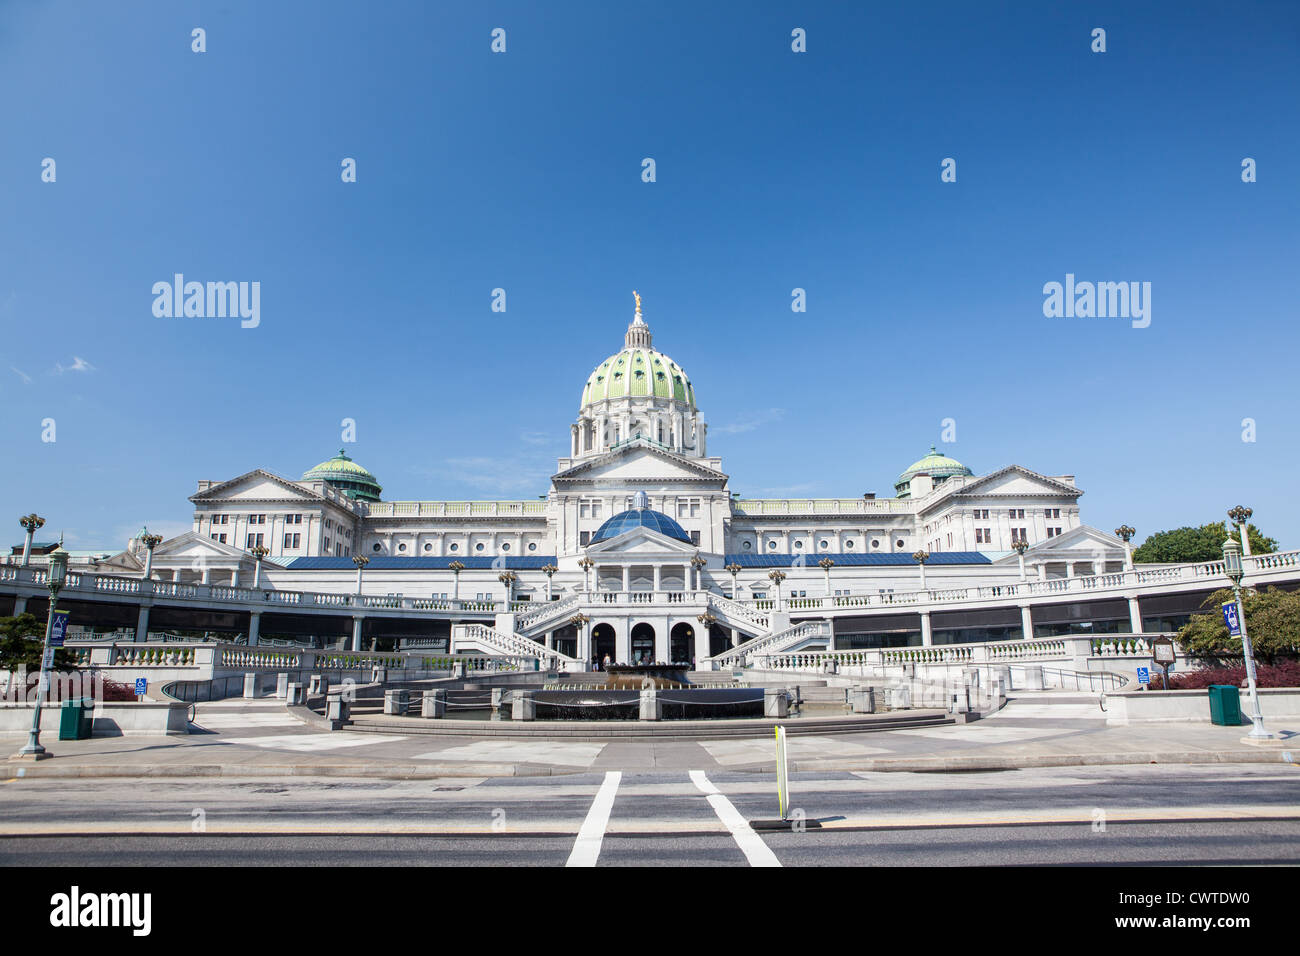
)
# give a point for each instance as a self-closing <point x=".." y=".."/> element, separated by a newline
<point x="395" y="563"/>
<point x="854" y="560"/>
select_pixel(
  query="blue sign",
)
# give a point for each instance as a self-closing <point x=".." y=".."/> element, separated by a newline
<point x="141" y="686"/>
<point x="1230" y="619"/>
<point x="59" y="628"/>
<point x="1144" y="675"/>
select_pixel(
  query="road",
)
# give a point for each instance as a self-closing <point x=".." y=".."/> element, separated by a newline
<point x="1184" y="815"/>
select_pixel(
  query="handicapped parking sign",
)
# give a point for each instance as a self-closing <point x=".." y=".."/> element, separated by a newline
<point x="1144" y="675"/>
<point x="1230" y="618"/>
<point x="141" y="686"/>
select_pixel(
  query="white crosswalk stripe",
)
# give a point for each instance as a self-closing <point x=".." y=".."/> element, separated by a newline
<point x="307" y="743"/>
<point x="586" y="849"/>
<point x="751" y="844"/>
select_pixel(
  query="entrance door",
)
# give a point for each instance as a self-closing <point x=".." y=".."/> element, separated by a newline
<point x="602" y="643"/>
<point x="682" y="643"/>
<point x="643" y="644"/>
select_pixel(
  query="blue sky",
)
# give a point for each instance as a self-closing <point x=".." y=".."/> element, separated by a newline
<point x="522" y="170"/>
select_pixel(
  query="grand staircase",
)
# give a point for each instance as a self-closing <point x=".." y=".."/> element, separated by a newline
<point x="789" y="639"/>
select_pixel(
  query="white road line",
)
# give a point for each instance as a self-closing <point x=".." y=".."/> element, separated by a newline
<point x="586" y="849"/>
<point x="755" y="850"/>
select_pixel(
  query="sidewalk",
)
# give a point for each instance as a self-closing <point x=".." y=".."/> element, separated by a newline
<point x="243" y="739"/>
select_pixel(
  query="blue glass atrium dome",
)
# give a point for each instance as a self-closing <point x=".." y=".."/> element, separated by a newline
<point x="640" y="516"/>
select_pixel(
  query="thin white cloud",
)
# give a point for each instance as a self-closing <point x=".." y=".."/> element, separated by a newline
<point x="749" y="424"/>
<point x="27" y="379"/>
<point x="79" y="364"/>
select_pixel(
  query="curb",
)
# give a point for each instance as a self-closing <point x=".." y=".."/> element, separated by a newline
<point x="992" y="762"/>
<point x="433" y="771"/>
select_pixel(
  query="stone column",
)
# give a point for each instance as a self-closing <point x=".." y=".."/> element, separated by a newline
<point x="927" y="639"/>
<point x="20" y="605"/>
<point x="356" y="633"/>
<point x="254" y="627"/>
<point x="658" y="582"/>
<point x="1134" y="615"/>
<point x="701" y="647"/>
<point x="234" y="578"/>
<point x="142" y="625"/>
<point x="1026" y="622"/>
<point x="550" y="640"/>
<point x="627" y="577"/>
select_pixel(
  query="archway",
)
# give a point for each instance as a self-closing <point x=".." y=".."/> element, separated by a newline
<point x="681" y="643"/>
<point x="719" y="640"/>
<point x="602" y="643"/>
<point x="643" y="644"/>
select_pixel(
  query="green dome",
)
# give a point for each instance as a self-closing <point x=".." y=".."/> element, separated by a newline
<point x="637" y="371"/>
<point x="347" y="476"/>
<point x="937" y="466"/>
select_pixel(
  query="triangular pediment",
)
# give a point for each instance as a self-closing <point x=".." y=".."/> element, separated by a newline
<point x="257" y="485"/>
<point x="644" y="542"/>
<point x="640" y="463"/>
<point x="1017" y="480"/>
<point x="1082" y="542"/>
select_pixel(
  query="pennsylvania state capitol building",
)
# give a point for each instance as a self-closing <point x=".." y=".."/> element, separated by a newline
<point x="639" y="552"/>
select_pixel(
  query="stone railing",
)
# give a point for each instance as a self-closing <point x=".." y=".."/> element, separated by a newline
<point x="774" y="643"/>
<point x="455" y="509"/>
<point x="547" y="612"/>
<point x="726" y="607"/>
<point x="821" y="506"/>
<point x="509" y="644"/>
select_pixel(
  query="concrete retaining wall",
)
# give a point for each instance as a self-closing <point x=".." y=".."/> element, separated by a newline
<point x="1280" y="703"/>
<point x="126" y="719"/>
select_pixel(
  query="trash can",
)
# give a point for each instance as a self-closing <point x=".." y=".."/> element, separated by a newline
<point x="75" y="718"/>
<point x="1225" y="705"/>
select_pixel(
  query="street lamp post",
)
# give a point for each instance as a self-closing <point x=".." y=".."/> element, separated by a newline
<point x="1232" y="568"/>
<point x="30" y="524"/>
<point x="258" y="552"/>
<point x="1020" y="546"/>
<point x="579" y="621"/>
<point x="549" y="570"/>
<point x="359" y="560"/>
<point x="920" y="557"/>
<point x="1125" y="533"/>
<point x="1240" y="516"/>
<point x="455" y="568"/>
<point x="586" y="564"/>
<point x="152" y="541"/>
<point x="776" y="577"/>
<point x="826" y="564"/>
<point x="508" y="578"/>
<point x="57" y="576"/>
<point x="697" y="563"/>
<point x="734" y="569"/>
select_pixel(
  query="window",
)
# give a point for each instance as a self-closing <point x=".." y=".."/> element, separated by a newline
<point x="220" y="538"/>
<point x="290" y="541"/>
<point x="338" y="550"/>
<point x="427" y="547"/>
<point x="254" y="541"/>
<point x="479" y="546"/>
<point x="1016" y="513"/>
<point x="378" y="547"/>
<point x="745" y="545"/>
<point x="1053" y="532"/>
<point x="293" y="519"/>
<point x="695" y="538"/>
<point x="1052" y="513"/>
<point x="454" y="547"/>
<point x="771" y="546"/>
<point x="532" y="545"/>
<point x="981" y="513"/>
<point x="875" y="542"/>
<point x="1019" y="534"/>
<point x="584" y="538"/>
<point x="848" y="545"/>
<point x="505" y="547"/>
<point x="327" y="544"/>
<point x="401" y="548"/>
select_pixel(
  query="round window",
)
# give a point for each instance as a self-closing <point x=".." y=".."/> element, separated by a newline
<point x="455" y="547"/>
<point x="428" y="547"/>
<point x="798" y="545"/>
<point x="875" y="543"/>
<point x="900" y="542"/>
<point x="771" y="546"/>
<point x="401" y="547"/>
<point x="377" y="547"/>
<point x="848" y="545"/>
<point x="745" y="545"/>
<point x="505" y="547"/>
<point x="478" y="547"/>
<point x="824" y="545"/>
<point x="532" y="546"/>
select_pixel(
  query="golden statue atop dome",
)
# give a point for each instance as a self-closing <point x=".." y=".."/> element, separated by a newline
<point x="638" y="300"/>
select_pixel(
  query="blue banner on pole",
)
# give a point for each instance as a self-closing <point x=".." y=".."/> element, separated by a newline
<point x="1230" y="618"/>
<point x="59" y="628"/>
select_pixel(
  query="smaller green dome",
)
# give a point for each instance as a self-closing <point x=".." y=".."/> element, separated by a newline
<point x="347" y="476"/>
<point x="937" y="466"/>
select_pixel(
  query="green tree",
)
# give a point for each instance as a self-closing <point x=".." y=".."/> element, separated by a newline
<point x="21" y="641"/>
<point x="1272" y="621"/>
<point x="1183" y="545"/>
